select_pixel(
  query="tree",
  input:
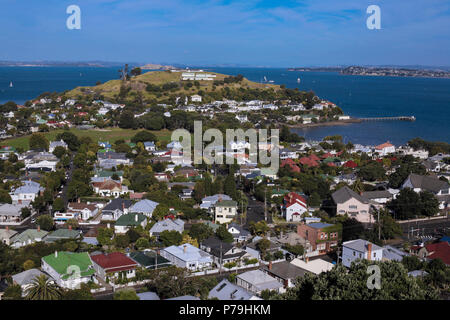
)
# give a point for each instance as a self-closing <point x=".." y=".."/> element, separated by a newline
<point x="29" y="264"/>
<point x="72" y="223"/>
<point x="72" y="141"/>
<point x="83" y="293"/>
<point x="126" y="294"/>
<point x="5" y="197"/>
<point x="13" y="292"/>
<point x="429" y="204"/>
<point x="38" y="141"/>
<point x="188" y="239"/>
<point x="126" y="120"/>
<point x="412" y="263"/>
<point x="59" y="152"/>
<point x="144" y="136"/>
<point x="170" y="238"/>
<point x="229" y="186"/>
<point x="58" y="205"/>
<point x="410" y="204"/>
<point x="342" y="284"/>
<point x="42" y="288"/>
<point x="262" y="245"/>
<point x="200" y="231"/>
<point x="296" y="250"/>
<point x="160" y="211"/>
<point x="142" y="243"/>
<point x="136" y="71"/>
<point x="372" y="171"/>
<point x="223" y="234"/>
<point x="25" y="212"/>
<point x="121" y="241"/>
<point x="104" y="236"/>
<point x="133" y="235"/>
<point x="45" y="222"/>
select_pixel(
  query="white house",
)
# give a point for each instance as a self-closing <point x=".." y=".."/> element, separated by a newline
<point x="187" y="256"/>
<point x="196" y="98"/>
<point x="27" y="192"/>
<point x="55" y="144"/>
<point x="360" y="249"/>
<point x="385" y="149"/>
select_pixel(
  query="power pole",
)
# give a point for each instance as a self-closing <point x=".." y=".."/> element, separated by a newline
<point x="379" y="226"/>
<point x="265" y="204"/>
<point x="220" y="266"/>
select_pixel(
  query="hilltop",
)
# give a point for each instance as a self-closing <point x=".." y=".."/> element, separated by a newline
<point x="142" y="84"/>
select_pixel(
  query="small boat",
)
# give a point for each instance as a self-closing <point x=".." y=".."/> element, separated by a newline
<point x="265" y="79"/>
<point x="11" y="84"/>
<point x="271" y="81"/>
<point x="298" y="80"/>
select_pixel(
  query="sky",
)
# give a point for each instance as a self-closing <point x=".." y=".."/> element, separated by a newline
<point x="271" y="33"/>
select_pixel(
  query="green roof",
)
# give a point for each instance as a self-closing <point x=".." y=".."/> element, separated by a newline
<point x="131" y="144"/>
<point x="29" y="234"/>
<point x="63" y="260"/>
<point x="129" y="219"/>
<point x="212" y="225"/>
<point x="62" y="234"/>
<point x="226" y="203"/>
<point x="147" y="259"/>
<point x="281" y="191"/>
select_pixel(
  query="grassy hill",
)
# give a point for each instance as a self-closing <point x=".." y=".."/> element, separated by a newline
<point x="109" y="134"/>
<point x="111" y="88"/>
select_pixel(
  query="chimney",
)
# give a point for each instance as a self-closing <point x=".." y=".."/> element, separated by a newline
<point x="56" y="254"/>
<point x="39" y="229"/>
<point x="20" y="201"/>
<point x="369" y="251"/>
<point x="270" y="265"/>
<point x="108" y="226"/>
<point x="70" y="227"/>
<point x="7" y="228"/>
<point x="307" y="259"/>
<point x="79" y="200"/>
<point x="29" y="179"/>
<point x="185" y="248"/>
<point x="123" y="206"/>
<point x="136" y="217"/>
<point x="220" y="199"/>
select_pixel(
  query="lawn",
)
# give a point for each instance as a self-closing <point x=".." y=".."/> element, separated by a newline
<point x="107" y="134"/>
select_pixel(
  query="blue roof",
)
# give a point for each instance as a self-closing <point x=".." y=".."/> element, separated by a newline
<point x="144" y="206"/>
<point x="192" y="253"/>
<point x="446" y="238"/>
<point x="319" y="225"/>
<point x="148" y="296"/>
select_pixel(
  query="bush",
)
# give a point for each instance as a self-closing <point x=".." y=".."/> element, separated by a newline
<point x="230" y="265"/>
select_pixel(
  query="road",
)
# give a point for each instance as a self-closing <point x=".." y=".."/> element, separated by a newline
<point x="255" y="211"/>
<point x="69" y="178"/>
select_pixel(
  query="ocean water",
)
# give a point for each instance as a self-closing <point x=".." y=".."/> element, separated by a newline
<point x="359" y="96"/>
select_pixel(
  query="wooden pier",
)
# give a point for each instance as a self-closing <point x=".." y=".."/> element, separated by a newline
<point x="401" y="118"/>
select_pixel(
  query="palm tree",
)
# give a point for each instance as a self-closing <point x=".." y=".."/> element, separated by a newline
<point x="43" y="289"/>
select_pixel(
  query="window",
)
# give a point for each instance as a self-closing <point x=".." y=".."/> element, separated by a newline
<point x="374" y="254"/>
<point x="363" y="211"/>
<point x="353" y="207"/>
<point x="354" y="253"/>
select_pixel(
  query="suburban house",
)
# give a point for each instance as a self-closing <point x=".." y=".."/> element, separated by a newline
<point x="149" y="259"/>
<point x="208" y="202"/>
<point x="431" y="184"/>
<point x="252" y="248"/>
<point x="25" y="279"/>
<point x="26" y="193"/>
<point x="167" y="225"/>
<point x="149" y="146"/>
<point x="380" y="196"/>
<point x="349" y="202"/>
<point x="187" y="256"/>
<point x="27" y="237"/>
<point x="62" y="234"/>
<point x="11" y="213"/>
<point x="385" y="149"/>
<point x="315" y="266"/>
<point x="55" y="144"/>
<point x="110" y="159"/>
<point x="81" y="210"/>
<point x="196" y="98"/>
<point x="322" y="236"/>
<point x="224" y="211"/>
<point x="129" y="220"/>
<point x="222" y="252"/>
<point x="145" y="206"/>
<point x="256" y="281"/>
<point x="439" y="250"/>
<point x="114" y="209"/>
<point x="110" y="188"/>
<point x="225" y="290"/>
<point x="285" y="272"/>
<point x="6" y="235"/>
<point x="294" y="206"/>
<point x="239" y="233"/>
<point x="360" y="249"/>
<point x="69" y="269"/>
<point x="110" y="266"/>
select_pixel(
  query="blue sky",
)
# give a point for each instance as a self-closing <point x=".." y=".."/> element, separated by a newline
<point x="252" y="32"/>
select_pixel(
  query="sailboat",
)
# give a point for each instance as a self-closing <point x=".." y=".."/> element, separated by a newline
<point x="11" y="84"/>
<point x="265" y="79"/>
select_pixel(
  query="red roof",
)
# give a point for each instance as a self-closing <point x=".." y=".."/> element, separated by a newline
<point x="308" y="162"/>
<point x="326" y="155"/>
<point x="293" y="198"/>
<point x="350" y="164"/>
<point x="384" y="145"/>
<point x="314" y="157"/>
<point x="291" y="164"/>
<point x="113" y="262"/>
<point x="439" y="250"/>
